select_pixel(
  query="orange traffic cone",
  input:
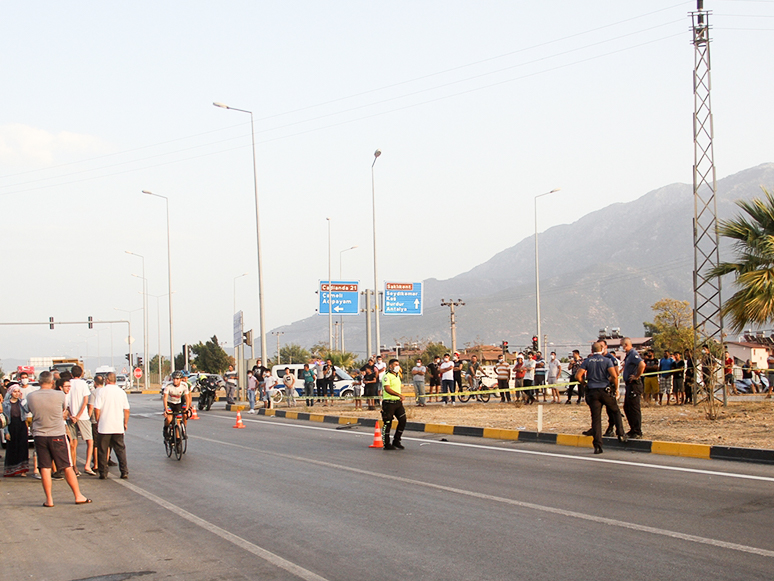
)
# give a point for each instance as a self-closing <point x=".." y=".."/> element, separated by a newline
<point x="378" y="443"/>
<point x="194" y="415"/>
<point x="239" y="423"/>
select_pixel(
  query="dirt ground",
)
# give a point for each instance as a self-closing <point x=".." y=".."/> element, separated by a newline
<point x="745" y="424"/>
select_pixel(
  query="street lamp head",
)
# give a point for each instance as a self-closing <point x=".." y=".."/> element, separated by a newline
<point x="221" y="105"/>
<point x="377" y="153"/>
<point x="556" y="190"/>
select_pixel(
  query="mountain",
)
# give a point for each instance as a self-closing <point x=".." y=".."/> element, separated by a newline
<point x="604" y="270"/>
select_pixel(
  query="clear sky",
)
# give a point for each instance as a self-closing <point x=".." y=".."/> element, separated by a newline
<point x="476" y="106"/>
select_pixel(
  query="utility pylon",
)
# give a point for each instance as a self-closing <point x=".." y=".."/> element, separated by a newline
<point x="707" y="303"/>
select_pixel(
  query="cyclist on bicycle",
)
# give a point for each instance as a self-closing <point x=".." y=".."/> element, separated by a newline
<point x="176" y="399"/>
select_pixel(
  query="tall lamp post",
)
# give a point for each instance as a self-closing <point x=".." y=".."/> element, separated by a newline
<point x="341" y="318"/>
<point x="131" y="354"/>
<point x="158" y="328"/>
<point x="377" y="153"/>
<point x="330" y="306"/>
<point x="537" y="272"/>
<point x="169" y="281"/>
<point x="261" y="320"/>
<point x="144" y="316"/>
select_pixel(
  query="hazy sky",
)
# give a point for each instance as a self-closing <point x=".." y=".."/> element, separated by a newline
<point x="476" y="106"/>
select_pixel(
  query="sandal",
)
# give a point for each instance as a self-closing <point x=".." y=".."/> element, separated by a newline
<point x="87" y="501"/>
<point x="48" y="505"/>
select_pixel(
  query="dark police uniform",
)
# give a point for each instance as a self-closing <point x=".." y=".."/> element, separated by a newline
<point x="392" y="406"/>
<point x="633" y="392"/>
<point x="597" y="395"/>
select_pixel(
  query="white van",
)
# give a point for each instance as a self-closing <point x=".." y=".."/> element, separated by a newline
<point x="342" y="386"/>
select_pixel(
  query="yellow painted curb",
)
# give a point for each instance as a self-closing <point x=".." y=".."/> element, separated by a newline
<point x="343" y="420"/>
<point x="501" y="434"/>
<point x="574" y="440"/>
<point x="316" y="418"/>
<point x="270" y="412"/>
<point x="675" y="449"/>
<point x="439" y="428"/>
<point x="291" y="415"/>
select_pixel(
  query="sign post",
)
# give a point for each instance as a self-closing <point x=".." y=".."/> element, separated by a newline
<point x="403" y="298"/>
<point x="341" y="299"/>
<point x="238" y="341"/>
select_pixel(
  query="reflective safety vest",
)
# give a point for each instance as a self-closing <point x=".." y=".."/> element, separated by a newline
<point x="394" y="382"/>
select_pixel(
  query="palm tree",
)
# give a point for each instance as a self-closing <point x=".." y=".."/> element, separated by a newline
<point x="753" y="236"/>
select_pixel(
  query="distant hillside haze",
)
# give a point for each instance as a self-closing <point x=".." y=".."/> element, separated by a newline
<point x="604" y="270"/>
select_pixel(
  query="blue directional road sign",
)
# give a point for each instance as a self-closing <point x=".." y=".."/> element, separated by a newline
<point x="343" y="296"/>
<point x="403" y="298"/>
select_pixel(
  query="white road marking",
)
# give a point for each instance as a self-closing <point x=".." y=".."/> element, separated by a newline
<point x="530" y="452"/>
<point x="511" y="502"/>
<point x="272" y="558"/>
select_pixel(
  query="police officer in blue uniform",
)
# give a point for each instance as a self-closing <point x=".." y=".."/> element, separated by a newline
<point x="633" y="369"/>
<point x="598" y="372"/>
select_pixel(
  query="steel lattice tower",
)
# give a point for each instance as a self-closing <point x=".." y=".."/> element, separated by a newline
<point x="707" y="303"/>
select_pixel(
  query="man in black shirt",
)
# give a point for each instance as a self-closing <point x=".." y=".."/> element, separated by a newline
<point x="369" y="382"/>
<point x="598" y="372"/>
<point x="434" y="373"/>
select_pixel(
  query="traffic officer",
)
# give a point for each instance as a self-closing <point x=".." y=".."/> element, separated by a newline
<point x="392" y="406"/>
<point x="633" y="369"/>
<point x="597" y="371"/>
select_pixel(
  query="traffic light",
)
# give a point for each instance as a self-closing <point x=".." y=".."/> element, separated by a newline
<point x="91" y="325"/>
<point x="189" y="352"/>
<point x="51" y="322"/>
<point x="128" y="357"/>
<point x="505" y="347"/>
<point x="534" y="343"/>
<point x="247" y="337"/>
<point x="139" y="361"/>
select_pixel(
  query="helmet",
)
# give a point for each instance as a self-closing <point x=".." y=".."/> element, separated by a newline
<point x="177" y="375"/>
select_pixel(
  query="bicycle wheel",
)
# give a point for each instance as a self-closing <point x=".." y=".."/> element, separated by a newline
<point x="276" y="397"/>
<point x="464" y="397"/>
<point x="168" y="446"/>
<point x="484" y="397"/>
<point x="178" y="443"/>
<point x="184" y="433"/>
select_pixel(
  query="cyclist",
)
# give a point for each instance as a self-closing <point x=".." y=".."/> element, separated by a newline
<point x="176" y="399"/>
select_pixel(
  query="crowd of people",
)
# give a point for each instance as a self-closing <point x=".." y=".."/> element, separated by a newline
<point x="58" y="411"/>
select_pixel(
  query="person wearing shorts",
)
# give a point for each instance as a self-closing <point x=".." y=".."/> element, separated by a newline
<point x="48" y="430"/>
<point x="650" y="383"/>
<point x="369" y="382"/>
<point x="78" y="408"/>
<point x="172" y="400"/>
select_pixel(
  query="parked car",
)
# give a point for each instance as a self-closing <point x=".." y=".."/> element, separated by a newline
<point x="123" y="381"/>
<point x="342" y="386"/>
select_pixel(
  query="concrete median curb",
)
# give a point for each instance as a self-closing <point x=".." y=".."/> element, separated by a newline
<point x="755" y="455"/>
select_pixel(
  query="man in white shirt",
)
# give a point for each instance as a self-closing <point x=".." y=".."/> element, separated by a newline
<point x="78" y="407"/>
<point x="554" y="372"/>
<point x="447" y="378"/>
<point x="111" y="407"/>
<point x="529" y="378"/>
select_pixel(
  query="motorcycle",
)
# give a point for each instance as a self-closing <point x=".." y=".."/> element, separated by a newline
<point x="207" y="388"/>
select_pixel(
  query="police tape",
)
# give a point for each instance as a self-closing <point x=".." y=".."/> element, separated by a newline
<point x="471" y="393"/>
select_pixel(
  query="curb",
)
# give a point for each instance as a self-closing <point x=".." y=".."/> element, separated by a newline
<point x="705" y="451"/>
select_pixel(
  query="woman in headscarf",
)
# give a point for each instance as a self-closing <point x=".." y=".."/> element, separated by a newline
<point x="17" y="457"/>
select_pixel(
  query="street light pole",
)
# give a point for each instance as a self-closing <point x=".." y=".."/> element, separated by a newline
<point x="235" y="279"/>
<point x="341" y="318"/>
<point x="261" y="319"/>
<point x="330" y="306"/>
<point x="537" y="272"/>
<point x="169" y="281"/>
<point x="144" y="317"/>
<point x="377" y="153"/>
<point x="158" y="328"/>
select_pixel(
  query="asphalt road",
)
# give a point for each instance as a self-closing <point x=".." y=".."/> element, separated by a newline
<point x="287" y="500"/>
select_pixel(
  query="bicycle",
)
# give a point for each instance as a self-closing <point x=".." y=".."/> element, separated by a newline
<point x="482" y="397"/>
<point x="176" y="440"/>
